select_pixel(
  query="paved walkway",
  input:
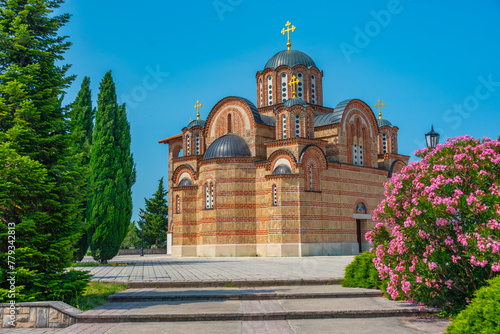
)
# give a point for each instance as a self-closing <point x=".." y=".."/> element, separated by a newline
<point x="164" y="268"/>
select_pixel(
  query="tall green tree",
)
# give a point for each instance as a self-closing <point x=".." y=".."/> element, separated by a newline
<point x="155" y="229"/>
<point x="81" y="128"/>
<point x="40" y="182"/>
<point x="112" y="175"/>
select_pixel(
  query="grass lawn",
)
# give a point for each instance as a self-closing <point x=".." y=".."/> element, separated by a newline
<point x="96" y="294"/>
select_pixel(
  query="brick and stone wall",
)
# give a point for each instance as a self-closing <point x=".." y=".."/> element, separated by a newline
<point x="51" y="314"/>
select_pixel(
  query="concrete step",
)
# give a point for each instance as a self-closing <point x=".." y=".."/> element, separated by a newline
<point x="225" y="283"/>
<point x="264" y="293"/>
<point x="241" y="309"/>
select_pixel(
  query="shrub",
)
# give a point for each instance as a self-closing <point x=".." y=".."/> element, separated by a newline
<point x="361" y="273"/>
<point x="481" y="315"/>
<point x="442" y="214"/>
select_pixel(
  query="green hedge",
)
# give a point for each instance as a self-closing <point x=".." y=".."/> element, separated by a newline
<point x="361" y="273"/>
<point x="482" y="315"/>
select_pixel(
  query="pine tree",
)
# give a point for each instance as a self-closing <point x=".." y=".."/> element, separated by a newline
<point x="40" y="180"/>
<point x="112" y="175"/>
<point x="155" y="229"/>
<point x="81" y="127"/>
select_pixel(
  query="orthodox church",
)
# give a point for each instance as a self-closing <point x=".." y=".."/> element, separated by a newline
<point x="286" y="176"/>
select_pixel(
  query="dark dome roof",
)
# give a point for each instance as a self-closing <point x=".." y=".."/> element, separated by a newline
<point x="383" y="122"/>
<point x="282" y="169"/>
<point x="184" y="182"/>
<point x="294" y="101"/>
<point x="290" y="58"/>
<point x="198" y="122"/>
<point x="229" y="145"/>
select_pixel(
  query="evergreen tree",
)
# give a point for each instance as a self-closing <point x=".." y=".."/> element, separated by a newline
<point x="155" y="229"/>
<point x="40" y="180"/>
<point x="112" y="175"/>
<point x="81" y="127"/>
<point x="133" y="238"/>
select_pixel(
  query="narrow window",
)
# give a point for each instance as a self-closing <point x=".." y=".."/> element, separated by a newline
<point x="188" y="148"/>
<point x="275" y="197"/>
<point x="229" y="124"/>
<point x="393" y="144"/>
<point x="197" y="139"/>
<point x="284" y="126"/>
<point x="308" y="126"/>
<point x="355" y="150"/>
<point x="360" y="146"/>
<point x="270" y="90"/>
<point x="384" y="143"/>
<point x="211" y="195"/>
<point x="313" y="89"/>
<point x="178" y="205"/>
<point x="297" y="126"/>
<point x="311" y="183"/>
<point x="207" y="197"/>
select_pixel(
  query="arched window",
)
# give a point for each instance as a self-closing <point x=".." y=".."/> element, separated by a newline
<point x="361" y="147"/>
<point x="270" y="90"/>
<point x="313" y="89"/>
<point x="311" y="182"/>
<point x="229" y="124"/>
<point x="177" y="204"/>
<point x="384" y="143"/>
<point x="300" y="89"/>
<point x="393" y="144"/>
<point x="197" y="140"/>
<point x="297" y="126"/>
<point x="260" y="89"/>
<point x="209" y="195"/>
<point x="354" y="146"/>
<point x="275" y="195"/>
<point x="188" y="145"/>
<point x="284" y="87"/>
<point x="283" y="118"/>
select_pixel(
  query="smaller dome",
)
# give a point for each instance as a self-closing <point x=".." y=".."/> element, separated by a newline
<point x="184" y="182"/>
<point x="282" y="169"/>
<point x="289" y="58"/>
<point x="383" y="122"/>
<point x="294" y="101"/>
<point x="196" y="122"/>
<point x="229" y="145"/>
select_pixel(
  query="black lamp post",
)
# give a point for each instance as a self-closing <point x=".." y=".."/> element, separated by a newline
<point x="143" y="220"/>
<point x="432" y="138"/>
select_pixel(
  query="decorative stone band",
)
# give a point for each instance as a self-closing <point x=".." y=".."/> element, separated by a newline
<point x="54" y="314"/>
<point x="361" y="216"/>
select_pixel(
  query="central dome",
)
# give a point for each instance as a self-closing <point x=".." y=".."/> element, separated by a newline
<point x="290" y="58"/>
<point x="229" y="145"/>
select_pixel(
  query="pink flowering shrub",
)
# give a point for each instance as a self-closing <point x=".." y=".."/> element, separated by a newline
<point x="438" y="236"/>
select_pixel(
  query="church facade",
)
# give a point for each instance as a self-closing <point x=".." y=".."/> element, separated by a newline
<point x="285" y="176"/>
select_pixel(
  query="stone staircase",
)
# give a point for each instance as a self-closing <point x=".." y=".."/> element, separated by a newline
<point x="247" y="303"/>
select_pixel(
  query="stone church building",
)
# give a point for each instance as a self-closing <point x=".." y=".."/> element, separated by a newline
<point x="285" y="176"/>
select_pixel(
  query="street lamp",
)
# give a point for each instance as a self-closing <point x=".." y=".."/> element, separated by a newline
<point x="143" y="220"/>
<point x="432" y="138"/>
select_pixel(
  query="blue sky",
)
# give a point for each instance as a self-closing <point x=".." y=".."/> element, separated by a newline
<point x="430" y="62"/>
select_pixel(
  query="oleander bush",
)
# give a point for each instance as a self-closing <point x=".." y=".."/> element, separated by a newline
<point x="438" y="239"/>
<point x="482" y="314"/>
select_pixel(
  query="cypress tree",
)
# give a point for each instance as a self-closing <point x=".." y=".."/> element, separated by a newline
<point x="112" y="175"/>
<point x="81" y="127"/>
<point x="40" y="179"/>
<point x="155" y="229"/>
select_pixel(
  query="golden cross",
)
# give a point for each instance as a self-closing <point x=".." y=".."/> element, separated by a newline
<point x="197" y="107"/>
<point x="294" y="83"/>
<point x="379" y="106"/>
<point x="287" y="30"/>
